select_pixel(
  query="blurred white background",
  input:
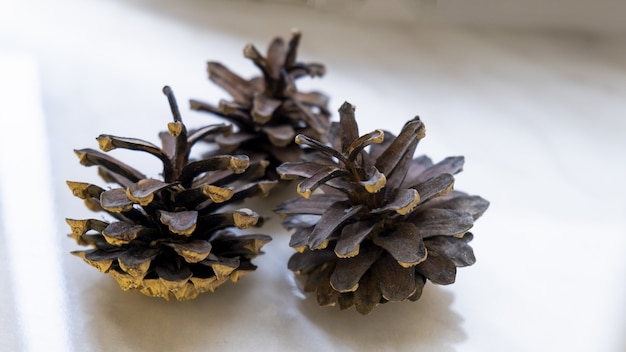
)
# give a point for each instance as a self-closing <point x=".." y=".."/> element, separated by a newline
<point x="533" y="94"/>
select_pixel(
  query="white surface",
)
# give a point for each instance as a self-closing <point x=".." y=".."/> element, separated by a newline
<point x="30" y="238"/>
<point x="539" y="116"/>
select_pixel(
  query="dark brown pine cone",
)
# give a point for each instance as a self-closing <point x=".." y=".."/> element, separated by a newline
<point x="380" y="222"/>
<point x="268" y="110"/>
<point x="168" y="238"/>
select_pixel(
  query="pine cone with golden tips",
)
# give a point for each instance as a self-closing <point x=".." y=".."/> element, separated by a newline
<point x="268" y="110"/>
<point x="375" y="223"/>
<point x="169" y="238"/>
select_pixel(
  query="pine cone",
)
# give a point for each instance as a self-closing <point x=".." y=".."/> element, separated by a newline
<point x="268" y="110"/>
<point x="381" y="222"/>
<point x="167" y="238"/>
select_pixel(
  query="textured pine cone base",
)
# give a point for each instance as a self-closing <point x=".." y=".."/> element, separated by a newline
<point x="374" y="225"/>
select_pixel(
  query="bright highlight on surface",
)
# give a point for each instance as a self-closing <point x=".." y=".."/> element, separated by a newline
<point x="33" y="255"/>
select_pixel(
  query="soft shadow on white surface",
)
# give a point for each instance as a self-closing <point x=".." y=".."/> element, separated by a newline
<point x="537" y="114"/>
<point x="131" y="321"/>
<point x="227" y="320"/>
<point x="426" y="325"/>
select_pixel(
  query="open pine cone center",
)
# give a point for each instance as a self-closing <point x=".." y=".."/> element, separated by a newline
<point x="375" y="223"/>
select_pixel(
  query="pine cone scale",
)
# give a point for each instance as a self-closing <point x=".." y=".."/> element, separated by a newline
<point x="192" y="251"/>
<point x="348" y="244"/>
<point x="401" y="145"/>
<point x="404" y="243"/>
<point x="455" y="249"/>
<point x="280" y="136"/>
<point x="438" y="269"/>
<point x="329" y="221"/>
<point x="442" y="222"/>
<point x="435" y="187"/>
<point x="236" y="86"/>
<point x="450" y="165"/>
<point x="348" y="271"/>
<point x="474" y="205"/>
<point x="397" y="283"/>
<point x="276" y="58"/>
<point x="369" y="296"/>
<point x="90" y="157"/>
<point x="136" y="261"/>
